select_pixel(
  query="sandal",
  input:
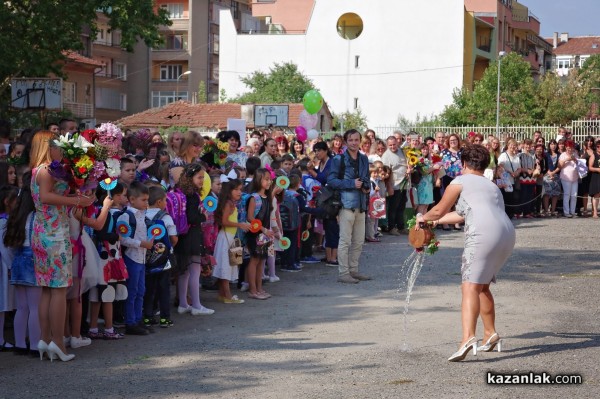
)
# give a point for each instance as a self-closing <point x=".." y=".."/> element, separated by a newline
<point x="256" y="296"/>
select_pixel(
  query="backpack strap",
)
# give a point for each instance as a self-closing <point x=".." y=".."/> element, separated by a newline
<point x="159" y="215"/>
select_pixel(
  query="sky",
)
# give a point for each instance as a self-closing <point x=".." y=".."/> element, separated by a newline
<point x="577" y="17"/>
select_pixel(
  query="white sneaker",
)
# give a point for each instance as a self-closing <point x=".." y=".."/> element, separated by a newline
<point x="79" y="342"/>
<point x="67" y="341"/>
<point x="273" y="279"/>
<point x="182" y="310"/>
<point x="245" y="287"/>
<point x="202" y="311"/>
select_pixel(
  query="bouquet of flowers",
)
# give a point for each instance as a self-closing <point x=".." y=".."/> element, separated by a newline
<point x="215" y="152"/>
<point x="76" y="165"/>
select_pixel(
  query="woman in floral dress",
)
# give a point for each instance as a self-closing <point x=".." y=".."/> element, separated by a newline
<point x="51" y="243"/>
<point x="452" y="165"/>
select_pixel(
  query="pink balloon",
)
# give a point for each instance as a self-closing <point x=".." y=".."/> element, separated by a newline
<point x="300" y="133"/>
<point x="307" y="120"/>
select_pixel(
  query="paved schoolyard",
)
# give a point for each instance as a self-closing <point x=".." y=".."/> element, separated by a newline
<point x="319" y="339"/>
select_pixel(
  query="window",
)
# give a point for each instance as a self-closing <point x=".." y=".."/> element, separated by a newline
<point x="563" y="63"/>
<point x="70" y="92"/>
<point x="109" y="98"/>
<point x="235" y="9"/>
<point x="582" y="60"/>
<point x="123" y="102"/>
<point x="170" y="72"/>
<point x="121" y="71"/>
<point x="162" y="98"/>
<point x="355" y="102"/>
<point x="215" y="44"/>
<point x="175" y="10"/>
<point x="356" y="61"/>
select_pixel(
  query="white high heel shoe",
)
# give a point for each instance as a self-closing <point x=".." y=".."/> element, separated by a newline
<point x="54" y="349"/>
<point x="464" y="350"/>
<point x="489" y="345"/>
<point x="43" y="348"/>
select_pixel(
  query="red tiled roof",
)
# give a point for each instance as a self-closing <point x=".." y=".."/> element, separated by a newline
<point x="210" y="116"/>
<point x="577" y="45"/>
<point x="81" y="59"/>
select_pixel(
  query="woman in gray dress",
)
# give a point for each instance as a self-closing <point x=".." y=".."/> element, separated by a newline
<point x="489" y="241"/>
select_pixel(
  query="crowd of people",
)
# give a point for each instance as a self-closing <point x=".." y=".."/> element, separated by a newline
<point x="75" y="260"/>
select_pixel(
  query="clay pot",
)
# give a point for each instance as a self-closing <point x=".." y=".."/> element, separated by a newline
<point x="420" y="238"/>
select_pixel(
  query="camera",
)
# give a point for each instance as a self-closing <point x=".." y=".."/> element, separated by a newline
<point x="366" y="185"/>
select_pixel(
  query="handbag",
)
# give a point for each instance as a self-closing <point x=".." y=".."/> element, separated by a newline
<point x="235" y="251"/>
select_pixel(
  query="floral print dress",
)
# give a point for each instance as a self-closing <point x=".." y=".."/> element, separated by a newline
<point x="51" y="242"/>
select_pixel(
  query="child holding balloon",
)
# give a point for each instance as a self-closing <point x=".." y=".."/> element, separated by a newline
<point x="226" y="217"/>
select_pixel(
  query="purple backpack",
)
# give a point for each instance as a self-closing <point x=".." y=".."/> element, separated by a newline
<point x="176" y="208"/>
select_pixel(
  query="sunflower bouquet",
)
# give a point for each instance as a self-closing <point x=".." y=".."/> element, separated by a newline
<point x="215" y="152"/>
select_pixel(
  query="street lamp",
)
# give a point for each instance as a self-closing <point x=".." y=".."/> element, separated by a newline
<point x="500" y="55"/>
<point x="177" y="84"/>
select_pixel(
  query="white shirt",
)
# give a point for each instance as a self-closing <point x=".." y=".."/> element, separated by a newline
<point x="132" y="244"/>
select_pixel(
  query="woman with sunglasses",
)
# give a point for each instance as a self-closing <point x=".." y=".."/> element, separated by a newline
<point x="189" y="152"/>
<point x="283" y="147"/>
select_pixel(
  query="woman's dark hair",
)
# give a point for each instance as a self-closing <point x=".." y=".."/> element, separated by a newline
<point x="476" y="157"/>
<point x="293" y="150"/>
<point x="225" y="135"/>
<point x="8" y="193"/>
<point x="17" y="218"/>
<point x="4" y="167"/>
<point x="552" y="142"/>
<point x="224" y="197"/>
<point x="256" y="183"/>
<point x="321" y="145"/>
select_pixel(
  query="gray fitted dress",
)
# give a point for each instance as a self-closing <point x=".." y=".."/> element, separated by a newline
<point x="489" y="233"/>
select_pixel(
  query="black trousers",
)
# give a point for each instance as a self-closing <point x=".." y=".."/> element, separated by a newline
<point x="157" y="285"/>
<point x="395" y="210"/>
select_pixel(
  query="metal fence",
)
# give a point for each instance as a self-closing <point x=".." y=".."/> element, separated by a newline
<point x="581" y="129"/>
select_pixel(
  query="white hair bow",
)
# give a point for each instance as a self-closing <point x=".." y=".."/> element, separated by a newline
<point x="230" y="176"/>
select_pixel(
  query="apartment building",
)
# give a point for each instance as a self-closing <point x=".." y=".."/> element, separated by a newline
<point x="190" y="54"/>
<point x="571" y="52"/>
<point x="515" y="29"/>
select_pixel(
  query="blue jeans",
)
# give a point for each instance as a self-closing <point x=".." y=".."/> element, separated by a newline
<point x="136" y="287"/>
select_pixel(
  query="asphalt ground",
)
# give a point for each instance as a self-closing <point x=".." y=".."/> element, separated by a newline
<point x="316" y="338"/>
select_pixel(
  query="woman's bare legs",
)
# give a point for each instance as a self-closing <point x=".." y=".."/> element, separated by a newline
<point x="470" y="309"/>
<point x="487" y="312"/>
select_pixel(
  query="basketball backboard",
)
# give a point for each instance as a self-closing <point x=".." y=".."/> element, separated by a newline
<point x="276" y="115"/>
<point x="36" y="93"/>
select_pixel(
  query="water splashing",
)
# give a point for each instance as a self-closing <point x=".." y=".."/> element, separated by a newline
<point x="407" y="277"/>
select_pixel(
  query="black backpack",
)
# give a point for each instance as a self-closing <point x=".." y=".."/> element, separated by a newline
<point x="328" y="199"/>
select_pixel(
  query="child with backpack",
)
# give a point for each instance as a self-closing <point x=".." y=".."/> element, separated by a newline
<point x="189" y="251"/>
<point x="226" y="217"/>
<point x="252" y="165"/>
<point x="157" y="260"/>
<point x="136" y="243"/>
<point x="289" y="210"/>
<point x="113" y="271"/>
<point x="259" y="209"/>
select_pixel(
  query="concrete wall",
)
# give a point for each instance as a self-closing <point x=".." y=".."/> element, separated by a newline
<point x="411" y="56"/>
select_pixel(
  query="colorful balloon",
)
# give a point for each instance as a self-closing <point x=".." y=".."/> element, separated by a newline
<point x="313" y="101"/>
<point x="307" y="120"/>
<point x="312" y="134"/>
<point x="300" y="133"/>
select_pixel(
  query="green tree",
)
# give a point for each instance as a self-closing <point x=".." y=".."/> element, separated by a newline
<point x="350" y="120"/>
<point x="35" y="34"/>
<point x="282" y="84"/>
<point x="563" y="100"/>
<point x="590" y="75"/>
<point x="202" y="92"/>
<point x="518" y="103"/>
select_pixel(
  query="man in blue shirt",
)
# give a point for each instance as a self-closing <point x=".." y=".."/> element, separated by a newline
<point x="354" y="187"/>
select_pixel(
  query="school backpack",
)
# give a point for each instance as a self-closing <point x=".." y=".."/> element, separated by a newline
<point x="289" y="211"/>
<point x="328" y="199"/>
<point x="158" y="256"/>
<point x="108" y="232"/>
<point x="242" y="207"/>
<point x="176" y="207"/>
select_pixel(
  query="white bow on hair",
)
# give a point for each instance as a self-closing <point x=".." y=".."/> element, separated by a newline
<point x="230" y="176"/>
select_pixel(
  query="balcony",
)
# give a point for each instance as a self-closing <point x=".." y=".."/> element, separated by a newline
<point x="80" y="110"/>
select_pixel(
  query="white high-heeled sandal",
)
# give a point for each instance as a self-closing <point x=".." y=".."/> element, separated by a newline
<point x="489" y="345"/>
<point x="464" y="350"/>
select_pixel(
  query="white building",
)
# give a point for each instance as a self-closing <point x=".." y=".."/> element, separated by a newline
<point x="572" y="52"/>
<point x="406" y="60"/>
